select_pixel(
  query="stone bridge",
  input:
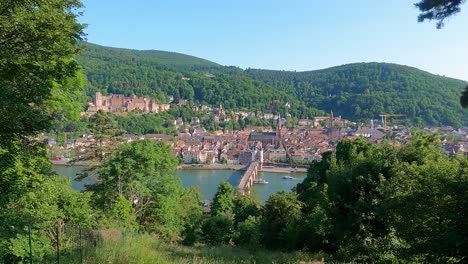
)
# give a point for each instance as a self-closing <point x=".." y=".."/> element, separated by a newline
<point x="247" y="179"/>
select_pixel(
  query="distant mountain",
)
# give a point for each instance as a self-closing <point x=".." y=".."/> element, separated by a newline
<point x="365" y="90"/>
<point x="355" y="91"/>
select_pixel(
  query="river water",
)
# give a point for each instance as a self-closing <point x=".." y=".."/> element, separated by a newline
<point x="207" y="180"/>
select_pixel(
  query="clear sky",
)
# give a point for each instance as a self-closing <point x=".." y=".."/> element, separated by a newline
<point x="284" y="34"/>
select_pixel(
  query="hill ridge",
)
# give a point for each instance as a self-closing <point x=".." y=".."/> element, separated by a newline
<point x="357" y="91"/>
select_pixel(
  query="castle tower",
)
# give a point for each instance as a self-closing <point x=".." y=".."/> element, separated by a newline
<point x="98" y="99"/>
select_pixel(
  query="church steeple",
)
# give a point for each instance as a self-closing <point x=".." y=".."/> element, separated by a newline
<point x="331" y="121"/>
<point x="278" y="126"/>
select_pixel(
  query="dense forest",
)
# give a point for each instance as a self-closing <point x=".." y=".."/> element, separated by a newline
<point x="148" y="73"/>
<point x="355" y="91"/>
<point x="365" y="90"/>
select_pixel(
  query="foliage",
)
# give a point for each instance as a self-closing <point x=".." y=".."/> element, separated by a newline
<point x="217" y="230"/>
<point x="121" y="214"/>
<point x="248" y="233"/>
<point x="143" y="172"/>
<point x="375" y="202"/>
<point x="36" y="61"/>
<point x="189" y="206"/>
<point x="280" y="221"/>
<point x="157" y="57"/>
<point x="438" y="10"/>
<point x="464" y="98"/>
<point x="140" y="124"/>
<point x="223" y="201"/>
<point x="246" y="206"/>
<point x="149" y="249"/>
<point x="134" y="172"/>
<point x="22" y="168"/>
<point x="189" y="209"/>
<point x="143" y="73"/>
<point x="39" y="77"/>
<point x="366" y="90"/>
<point x="427" y="204"/>
<point x="108" y="137"/>
<point x="107" y="134"/>
<point x="50" y="209"/>
<point x="356" y="91"/>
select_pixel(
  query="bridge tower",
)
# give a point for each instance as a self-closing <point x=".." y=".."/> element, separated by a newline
<point x="260" y="159"/>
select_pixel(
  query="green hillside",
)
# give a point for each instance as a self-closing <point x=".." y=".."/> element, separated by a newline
<point x="172" y="59"/>
<point x="121" y="71"/>
<point x="355" y="91"/>
<point x="365" y="90"/>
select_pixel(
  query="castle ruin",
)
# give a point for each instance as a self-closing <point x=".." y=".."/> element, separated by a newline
<point x="119" y="103"/>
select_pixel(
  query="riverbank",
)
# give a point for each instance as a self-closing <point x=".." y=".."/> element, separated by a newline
<point x="214" y="166"/>
<point x="284" y="170"/>
<point x="217" y="166"/>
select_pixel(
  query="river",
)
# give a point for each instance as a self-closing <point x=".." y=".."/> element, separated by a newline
<point x="207" y="180"/>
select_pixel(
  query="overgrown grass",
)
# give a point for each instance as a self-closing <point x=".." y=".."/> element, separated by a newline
<point x="150" y="249"/>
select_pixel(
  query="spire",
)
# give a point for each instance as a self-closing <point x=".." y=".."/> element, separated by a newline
<point x="278" y="126"/>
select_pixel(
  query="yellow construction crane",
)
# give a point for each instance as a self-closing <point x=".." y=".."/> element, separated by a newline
<point x="384" y="118"/>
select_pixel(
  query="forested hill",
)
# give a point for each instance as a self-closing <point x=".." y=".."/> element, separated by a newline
<point x="355" y="91"/>
<point x="365" y="90"/>
<point x="145" y="73"/>
<point x="173" y="59"/>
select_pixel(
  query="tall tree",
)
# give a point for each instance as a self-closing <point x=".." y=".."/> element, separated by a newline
<point x="107" y="134"/>
<point x="426" y="201"/>
<point x="280" y="221"/>
<point x="38" y="76"/>
<point x="143" y="173"/>
<point x="368" y="202"/>
<point x="223" y="201"/>
<point x="38" y="42"/>
<point x="133" y="172"/>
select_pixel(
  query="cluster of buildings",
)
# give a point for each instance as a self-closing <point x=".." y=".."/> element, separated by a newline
<point x="304" y="143"/>
<point x="119" y="103"/>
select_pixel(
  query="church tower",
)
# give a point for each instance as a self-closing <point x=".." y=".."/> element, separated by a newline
<point x="278" y="127"/>
<point x="331" y="121"/>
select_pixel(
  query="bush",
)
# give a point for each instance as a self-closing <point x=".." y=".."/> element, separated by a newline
<point x="217" y="230"/>
<point x="248" y="233"/>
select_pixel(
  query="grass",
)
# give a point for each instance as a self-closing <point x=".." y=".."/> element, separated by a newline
<point x="150" y="249"/>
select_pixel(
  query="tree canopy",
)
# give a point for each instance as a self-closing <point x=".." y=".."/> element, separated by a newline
<point x="367" y="201"/>
<point x="38" y="42"/>
<point x="366" y="90"/>
<point x="141" y="176"/>
<point x="464" y="98"/>
<point x="438" y="10"/>
<point x="223" y="201"/>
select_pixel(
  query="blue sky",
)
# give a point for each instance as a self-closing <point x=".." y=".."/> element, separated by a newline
<point x="284" y="35"/>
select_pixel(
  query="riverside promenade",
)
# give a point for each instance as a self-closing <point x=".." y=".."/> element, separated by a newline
<point x="217" y="166"/>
